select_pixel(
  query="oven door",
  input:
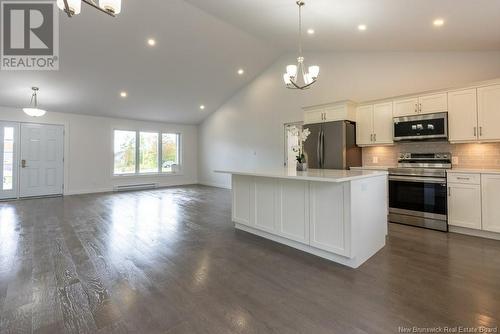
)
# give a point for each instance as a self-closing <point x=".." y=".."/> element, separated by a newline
<point x="418" y="196"/>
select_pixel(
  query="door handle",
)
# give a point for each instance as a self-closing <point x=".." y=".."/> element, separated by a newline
<point x="23" y="163"/>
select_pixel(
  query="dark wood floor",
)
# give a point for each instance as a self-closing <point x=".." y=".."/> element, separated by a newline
<point x="169" y="261"/>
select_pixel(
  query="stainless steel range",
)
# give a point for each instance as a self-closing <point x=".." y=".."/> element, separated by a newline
<point x="418" y="190"/>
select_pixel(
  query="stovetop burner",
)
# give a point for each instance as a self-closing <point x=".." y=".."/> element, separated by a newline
<point x="422" y="164"/>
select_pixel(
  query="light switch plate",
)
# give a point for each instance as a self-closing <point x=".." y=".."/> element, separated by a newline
<point x="454" y="160"/>
<point x="375" y="160"/>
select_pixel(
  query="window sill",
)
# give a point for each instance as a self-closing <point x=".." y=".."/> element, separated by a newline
<point x="145" y="175"/>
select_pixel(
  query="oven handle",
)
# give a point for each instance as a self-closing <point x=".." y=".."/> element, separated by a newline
<point x="418" y="179"/>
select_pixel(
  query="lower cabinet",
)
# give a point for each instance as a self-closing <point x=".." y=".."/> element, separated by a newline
<point x="293" y="206"/>
<point x="311" y="213"/>
<point x="464" y="205"/>
<point x="491" y="202"/>
<point x="327" y="224"/>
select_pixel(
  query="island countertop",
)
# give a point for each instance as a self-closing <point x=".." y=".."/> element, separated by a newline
<point x="322" y="175"/>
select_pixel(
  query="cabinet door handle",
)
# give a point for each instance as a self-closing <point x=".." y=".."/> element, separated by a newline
<point x="23" y="164"/>
<point x="475" y="131"/>
<point x="374" y="137"/>
<point x="416" y="107"/>
<point x="420" y="107"/>
<point x="463" y="178"/>
<point x="480" y="131"/>
<point x="449" y="191"/>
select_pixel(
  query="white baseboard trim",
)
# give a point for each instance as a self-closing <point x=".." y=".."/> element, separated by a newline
<point x="87" y="191"/>
<point x="475" y="233"/>
<point x="216" y="185"/>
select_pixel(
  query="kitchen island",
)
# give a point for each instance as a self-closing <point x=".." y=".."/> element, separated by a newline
<point x="339" y="215"/>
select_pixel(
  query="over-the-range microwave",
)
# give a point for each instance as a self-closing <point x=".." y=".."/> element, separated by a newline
<point x="421" y="127"/>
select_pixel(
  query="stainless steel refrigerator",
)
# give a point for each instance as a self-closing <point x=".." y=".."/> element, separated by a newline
<point x="332" y="145"/>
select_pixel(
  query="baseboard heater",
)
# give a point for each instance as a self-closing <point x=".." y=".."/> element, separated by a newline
<point x="131" y="187"/>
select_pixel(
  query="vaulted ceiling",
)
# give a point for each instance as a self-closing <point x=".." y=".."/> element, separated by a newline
<point x="202" y="43"/>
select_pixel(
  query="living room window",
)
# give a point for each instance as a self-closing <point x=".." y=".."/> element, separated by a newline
<point x="143" y="153"/>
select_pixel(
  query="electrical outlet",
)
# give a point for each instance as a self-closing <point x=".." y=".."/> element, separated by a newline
<point x="375" y="160"/>
<point x="454" y="160"/>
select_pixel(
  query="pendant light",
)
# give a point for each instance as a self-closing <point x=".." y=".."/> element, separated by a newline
<point x="296" y="76"/>
<point x="75" y="6"/>
<point x="33" y="109"/>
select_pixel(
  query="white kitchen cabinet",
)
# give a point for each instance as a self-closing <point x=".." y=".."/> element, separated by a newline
<point x="462" y="115"/>
<point x="383" y="124"/>
<point x="426" y="104"/>
<point x="328" y="222"/>
<point x="241" y="190"/>
<point x="489" y="112"/>
<point x="293" y="207"/>
<point x="364" y="125"/>
<point x="374" y="124"/>
<point x="406" y="107"/>
<point x="464" y="205"/>
<point x="340" y="111"/>
<point x="430" y="104"/>
<point x="314" y="116"/>
<point x="490" y="184"/>
<point x="263" y="202"/>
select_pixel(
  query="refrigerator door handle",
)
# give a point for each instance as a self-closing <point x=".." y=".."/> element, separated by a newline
<point x="322" y="148"/>
<point x="318" y="151"/>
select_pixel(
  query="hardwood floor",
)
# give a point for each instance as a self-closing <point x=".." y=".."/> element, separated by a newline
<point x="169" y="261"/>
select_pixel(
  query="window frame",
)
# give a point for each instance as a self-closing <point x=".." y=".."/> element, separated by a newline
<point x="160" y="171"/>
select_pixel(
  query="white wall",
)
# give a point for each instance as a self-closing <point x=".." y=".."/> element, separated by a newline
<point x="89" y="155"/>
<point x="247" y="131"/>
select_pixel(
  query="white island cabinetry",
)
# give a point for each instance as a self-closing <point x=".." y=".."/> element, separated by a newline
<point x="338" y="215"/>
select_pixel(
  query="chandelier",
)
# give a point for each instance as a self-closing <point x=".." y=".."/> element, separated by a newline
<point x="33" y="109"/>
<point x="74" y="7"/>
<point x="296" y="76"/>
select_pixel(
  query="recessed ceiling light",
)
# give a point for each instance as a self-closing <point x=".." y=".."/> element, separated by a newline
<point x="241" y="71"/>
<point x="438" y="22"/>
<point x="362" y="27"/>
<point x="151" y="42"/>
<point x="310" y="31"/>
<point x="202" y="107"/>
<point x="123" y="94"/>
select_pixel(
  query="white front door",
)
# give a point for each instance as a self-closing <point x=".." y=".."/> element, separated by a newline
<point x="9" y="146"/>
<point x="42" y="165"/>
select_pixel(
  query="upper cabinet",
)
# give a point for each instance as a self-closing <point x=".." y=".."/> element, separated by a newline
<point x="406" y="107"/>
<point x="374" y="124"/>
<point x="342" y="111"/>
<point x="462" y="116"/>
<point x="488" y="99"/>
<point x="427" y="104"/>
<point x="474" y="114"/>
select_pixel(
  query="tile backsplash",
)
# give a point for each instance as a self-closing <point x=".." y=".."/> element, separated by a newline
<point x="474" y="156"/>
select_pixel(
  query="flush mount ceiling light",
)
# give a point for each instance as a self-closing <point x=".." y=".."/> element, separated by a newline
<point x="362" y="27"/>
<point x="202" y="107"/>
<point x="296" y="76"/>
<point x="33" y="109"/>
<point x="74" y="7"/>
<point x="438" y="22"/>
<point x="241" y="71"/>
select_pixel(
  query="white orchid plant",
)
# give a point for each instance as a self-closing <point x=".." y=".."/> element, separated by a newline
<point x="302" y="135"/>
